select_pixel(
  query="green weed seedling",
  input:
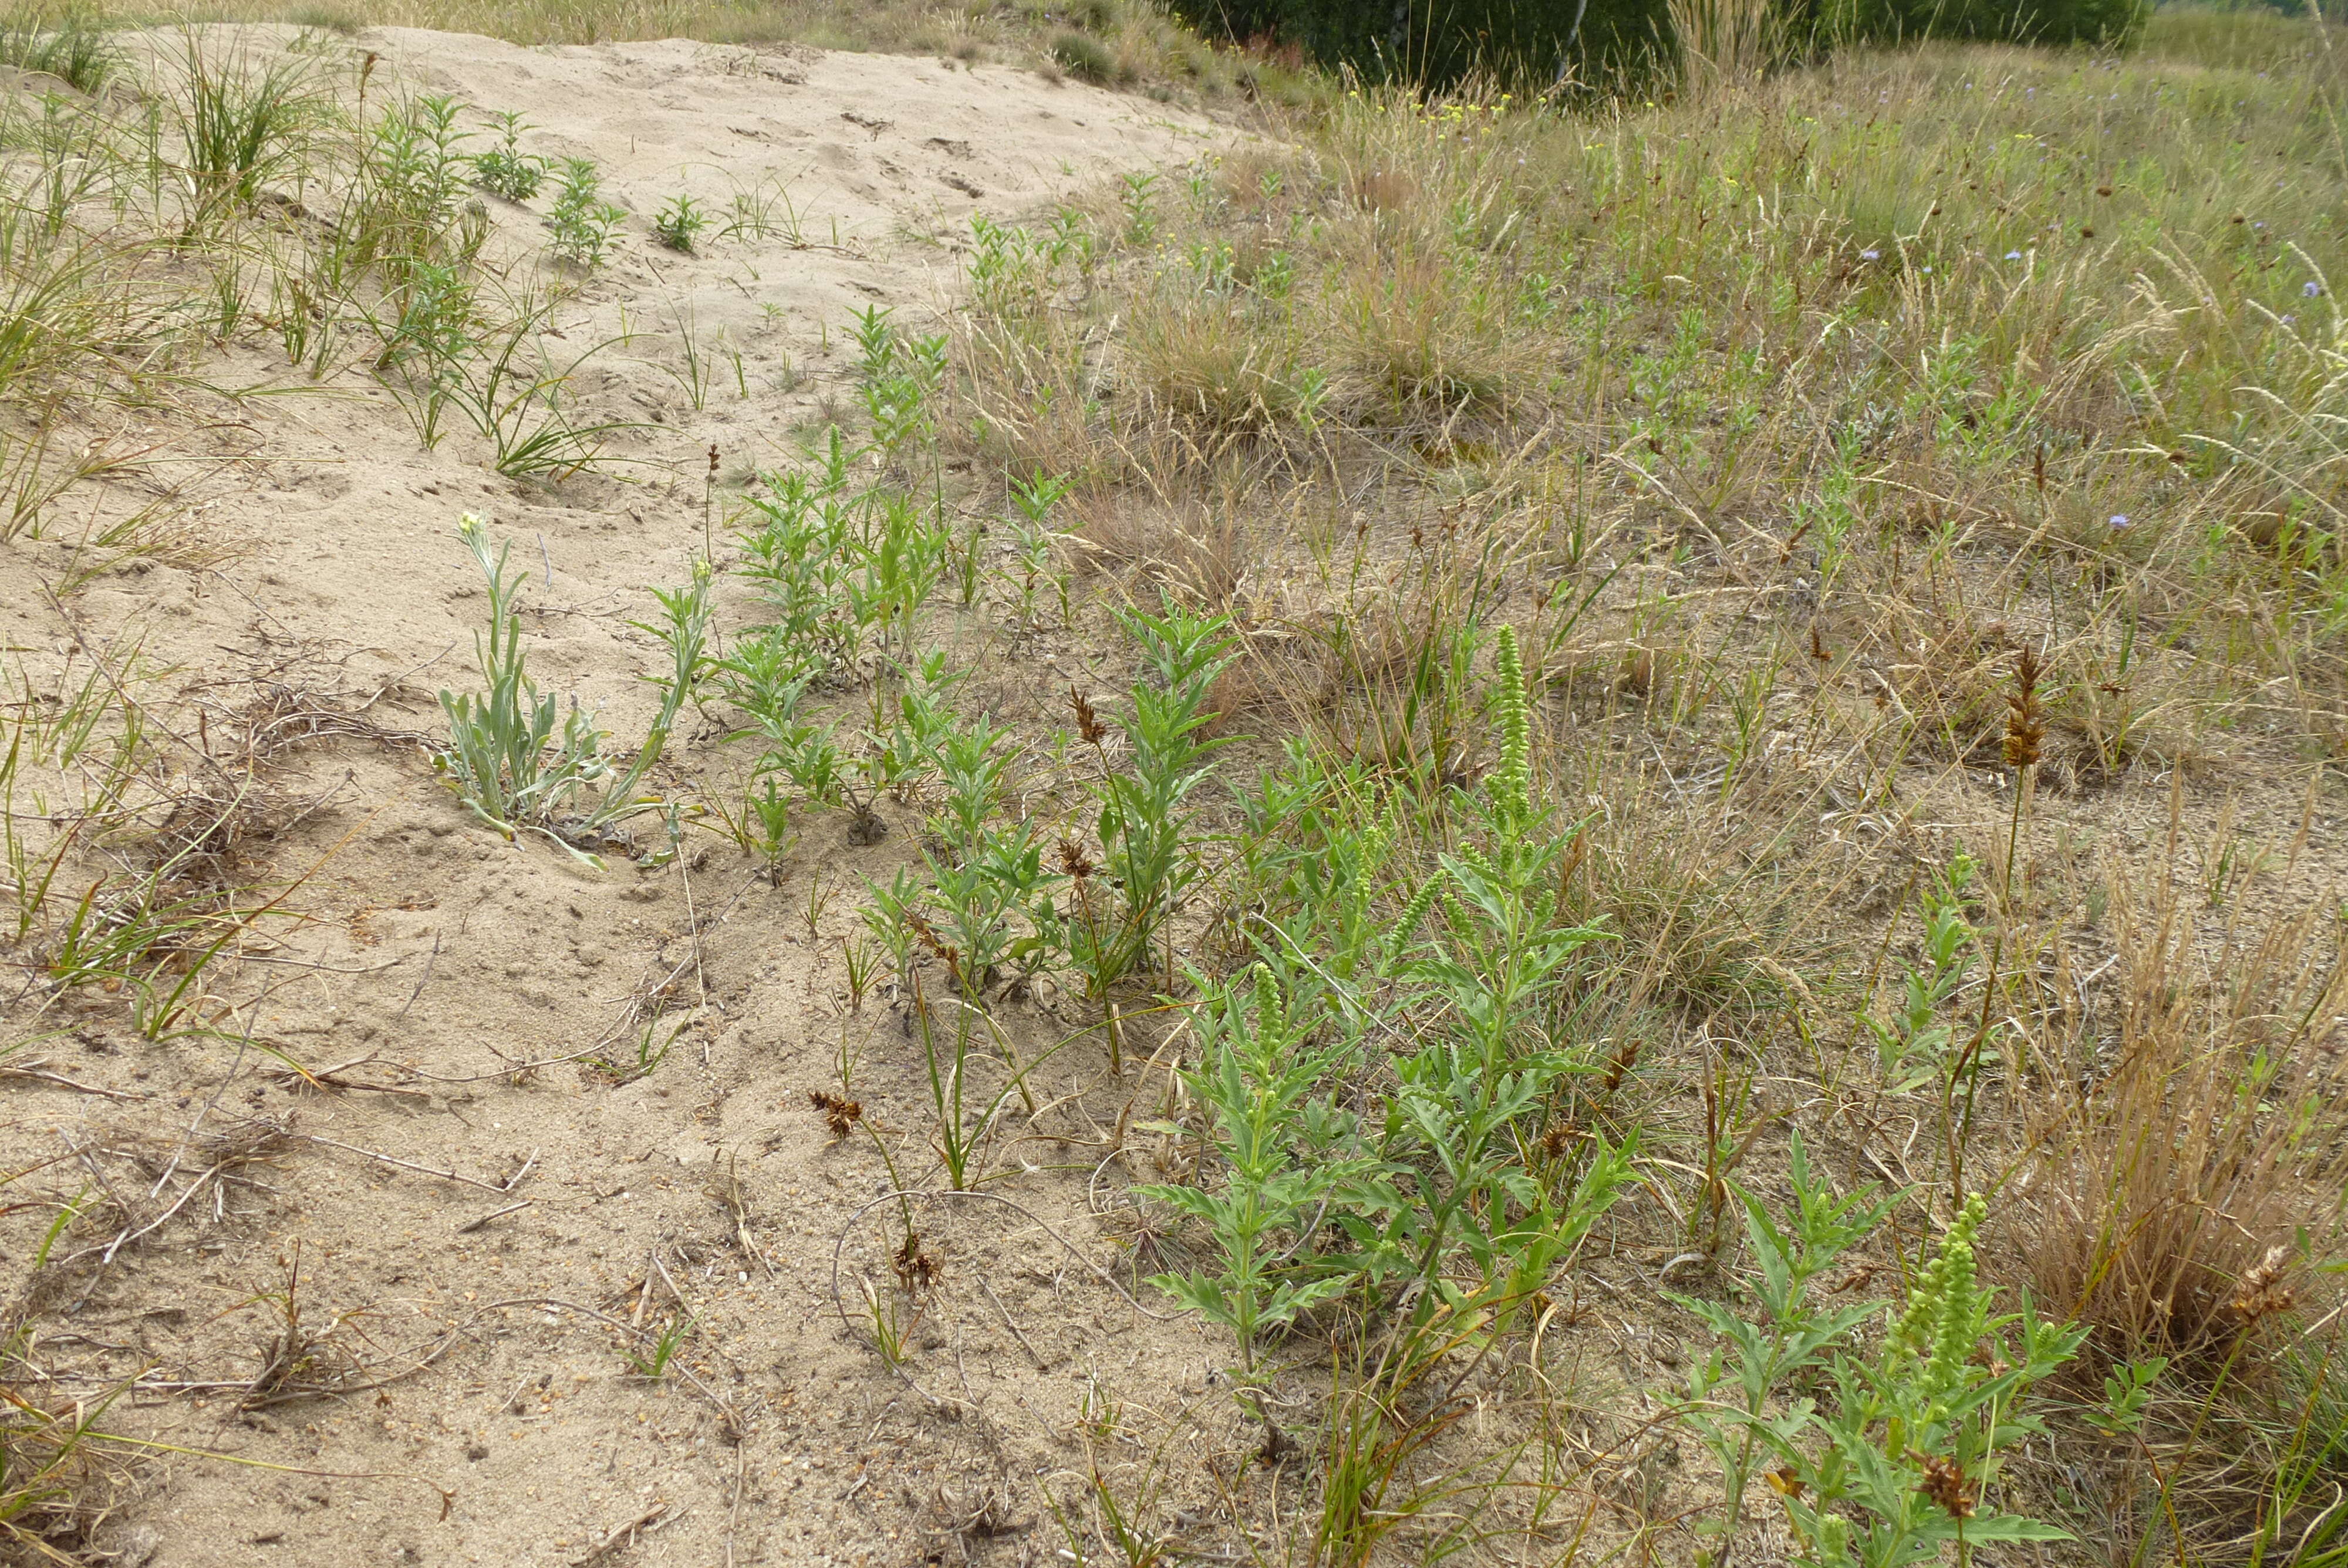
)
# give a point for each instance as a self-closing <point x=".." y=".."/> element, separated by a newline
<point x="653" y="1365"/>
<point x="1913" y="1048"/>
<point x="505" y="170"/>
<point x="679" y="223"/>
<point x="505" y="756"/>
<point x="581" y="223"/>
<point x="767" y="828"/>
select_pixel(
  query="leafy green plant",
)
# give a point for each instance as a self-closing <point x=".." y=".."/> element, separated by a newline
<point x="581" y="221"/>
<point x="1496" y="960"/>
<point x="505" y="170"/>
<point x="1914" y="1046"/>
<point x="407" y="205"/>
<point x="1730" y="1393"/>
<point x="1034" y="567"/>
<point x="1268" y="1079"/>
<point x="1904" y="1460"/>
<point x="990" y="887"/>
<point x="761" y="824"/>
<point x="1144" y="817"/>
<point x="679" y="223"/>
<point x="505" y="756"/>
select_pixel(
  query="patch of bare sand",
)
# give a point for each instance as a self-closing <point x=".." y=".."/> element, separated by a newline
<point x="430" y="960"/>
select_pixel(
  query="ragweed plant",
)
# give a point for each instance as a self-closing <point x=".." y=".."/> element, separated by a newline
<point x="679" y="223"/>
<point x="1730" y="1394"/>
<point x="1287" y="1154"/>
<point x="1144" y="815"/>
<point x="581" y="223"/>
<point x="505" y="170"/>
<point x="1914" y="1047"/>
<point x="1470" y="1101"/>
<point x="1906" y="1459"/>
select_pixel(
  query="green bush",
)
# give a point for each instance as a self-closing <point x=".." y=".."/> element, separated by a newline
<point x="1988" y="21"/>
<point x="1532" y="44"/>
<point x="1438" y="42"/>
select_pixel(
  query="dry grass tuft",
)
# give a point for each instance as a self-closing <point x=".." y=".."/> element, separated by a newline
<point x="2174" y="1200"/>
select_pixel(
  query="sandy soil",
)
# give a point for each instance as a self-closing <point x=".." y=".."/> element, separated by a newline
<point x="446" y="1221"/>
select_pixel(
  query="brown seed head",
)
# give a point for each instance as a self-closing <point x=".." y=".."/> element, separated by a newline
<point x="2261" y="1292"/>
<point x="916" y="1270"/>
<point x="838" y="1113"/>
<point x="1074" y="861"/>
<point x="2025" y="724"/>
<point x="1088" y="724"/>
<point x="1945" y="1484"/>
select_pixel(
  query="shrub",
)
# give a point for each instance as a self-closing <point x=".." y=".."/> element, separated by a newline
<point x="1437" y="42"/>
<point x="1597" y="43"/>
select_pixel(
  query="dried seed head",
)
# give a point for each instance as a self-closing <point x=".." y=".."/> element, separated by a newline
<point x="1818" y="650"/>
<point x="1621" y="1063"/>
<point x="838" y="1113"/>
<point x="2260" y="1292"/>
<point x="1074" y="861"/>
<point x="713" y="459"/>
<point x="1945" y="1484"/>
<point x="2025" y="724"/>
<point x="916" y="1270"/>
<point x="1088" y="724"/>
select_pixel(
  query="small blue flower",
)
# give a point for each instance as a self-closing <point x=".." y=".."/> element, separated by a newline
<point x="2287" y="321"/>
<point x="2311" y="289"/>
<point x="2013" y="255"/>
<point x="2119" y="519"/>
<point x="1871" y="255"/>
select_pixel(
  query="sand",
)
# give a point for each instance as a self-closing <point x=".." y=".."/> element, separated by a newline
<point x="477" y="1244"/>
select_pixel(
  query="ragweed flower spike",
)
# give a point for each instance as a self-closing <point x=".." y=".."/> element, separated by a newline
<point x="1947" y="1279"/>
<point x="1511" y="787"/>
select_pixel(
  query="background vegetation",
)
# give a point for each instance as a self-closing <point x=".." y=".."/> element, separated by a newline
<point x="1735" y="698"/>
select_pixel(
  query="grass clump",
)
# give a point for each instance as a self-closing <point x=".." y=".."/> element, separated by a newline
<point x="70" y="45"/>
<point x="1084" y="57"/>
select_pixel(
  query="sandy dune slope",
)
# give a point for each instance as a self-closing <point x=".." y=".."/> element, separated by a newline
<point x="426" y="959"/>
